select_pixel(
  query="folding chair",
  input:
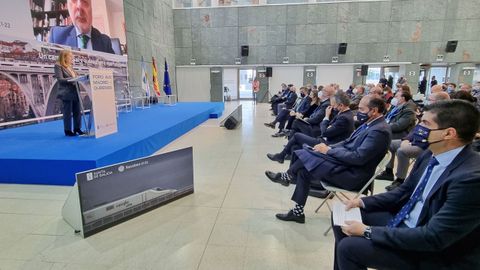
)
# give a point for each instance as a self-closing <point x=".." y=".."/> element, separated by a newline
<point x="335" y="191"/>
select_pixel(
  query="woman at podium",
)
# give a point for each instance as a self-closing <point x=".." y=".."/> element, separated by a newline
<point x="67" y="92"/>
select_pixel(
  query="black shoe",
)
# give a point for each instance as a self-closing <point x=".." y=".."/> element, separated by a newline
<point x="275" y="157"/>
<point x="69" y="133"/>
<point x="385" y="175"/>
<point x="395" y="184"/>
<point x="278" y="134"/>
<point x="291" y="217"/>
<point x="281" y="178"/>
<point x="322" y="194"/>
<point x="288" y="157"/>
<point x="79" y="132"/>
<point x="270" y="125"/>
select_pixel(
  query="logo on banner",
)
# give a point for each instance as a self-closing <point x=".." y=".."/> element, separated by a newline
<point x="89" y="176"/>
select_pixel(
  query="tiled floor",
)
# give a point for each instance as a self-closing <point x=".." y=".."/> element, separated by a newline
<point x="228" y="223"/>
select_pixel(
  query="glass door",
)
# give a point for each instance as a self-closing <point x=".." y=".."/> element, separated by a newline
<point x="245" y="83"/>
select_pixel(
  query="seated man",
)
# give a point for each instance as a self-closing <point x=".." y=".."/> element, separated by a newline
<point x="334" y="131"/>
<point x="348" y="164"/>
<point x="358" y="94"/>
<point x="404" y="150"/>
<point x="311" y="125"/>
<point x="282" y="97"/>
<point x="432" y="221"/>
<point x="290" y="100"/>
<point x="301" y="104"/>
<point x="401" y="119"/>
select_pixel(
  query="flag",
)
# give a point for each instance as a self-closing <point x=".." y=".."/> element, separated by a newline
<point x="166" y="80"/>
<point x="156" y="86"/>
<point x="145" y="84"/>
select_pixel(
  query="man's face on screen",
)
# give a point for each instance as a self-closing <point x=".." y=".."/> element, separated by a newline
<point x="81" y="14"/>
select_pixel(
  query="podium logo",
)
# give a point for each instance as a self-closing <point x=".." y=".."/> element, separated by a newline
<point x="89" y="176"/>
<point x="121" y="168"/>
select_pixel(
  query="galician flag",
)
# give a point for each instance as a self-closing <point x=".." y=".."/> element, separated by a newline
<point x="156" y="86"/>
<point x="145" y="84"/>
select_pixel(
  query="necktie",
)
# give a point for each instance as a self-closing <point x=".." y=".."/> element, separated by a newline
<point x="358" y="130"/>
<point x="416" y="196"/>
<point x="84" y="39"/>
<point x="392" y="114"/>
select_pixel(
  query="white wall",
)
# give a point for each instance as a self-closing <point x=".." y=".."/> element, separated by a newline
<point x="287" y="75"/>
<point x="193" y="84"/>
<point x="230" y="79"/>
<point x="341" y="74"/>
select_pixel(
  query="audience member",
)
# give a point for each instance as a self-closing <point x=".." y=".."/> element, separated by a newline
<point x="422" y="85"/>
<point x="436" y="89"/>
<point x="404" y="150"/>
<point x="289" y="100"/>
<point x="348" y="164"/>
<point x="311" y="125"/>
<point x="464" y="95"/>
<point x="432" y="221"/>
<point x="358" y="94"/>
<point x="332" y="131"/>
<point x="433" y="82"/>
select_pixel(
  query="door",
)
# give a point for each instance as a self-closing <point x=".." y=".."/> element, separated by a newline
<point x="245" y="83"/>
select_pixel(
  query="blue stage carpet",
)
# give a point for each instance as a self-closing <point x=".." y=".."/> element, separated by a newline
<point x="41" y="154"/>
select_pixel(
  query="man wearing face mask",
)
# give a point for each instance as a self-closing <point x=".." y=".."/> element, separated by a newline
<point x="301" y="105"/>
<point x="311" y="125"/>
<point x="401" y="119"/>
<point x="358" y="94"/>
<point x="432" y="221"/>
<point x="333" y="131"/>
<point x="348" y="164"/>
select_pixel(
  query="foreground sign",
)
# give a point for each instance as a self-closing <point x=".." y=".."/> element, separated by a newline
<point x="106" y="196"/>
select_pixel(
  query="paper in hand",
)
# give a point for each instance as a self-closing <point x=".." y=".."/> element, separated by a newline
<point x="340" y="215"/>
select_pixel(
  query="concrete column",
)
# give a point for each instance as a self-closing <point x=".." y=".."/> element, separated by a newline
<point x="262" y="94"/>
<point x="216" y="82"/>
<point x="412" y="71"/>
<point x="309" y="75"/>
<point x="462" y="73"/>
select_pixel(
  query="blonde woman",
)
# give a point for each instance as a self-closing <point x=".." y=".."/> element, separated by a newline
<point x="67" y="92"/>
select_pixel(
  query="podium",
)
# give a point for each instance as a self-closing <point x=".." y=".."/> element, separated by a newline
<point x="103" y="113"/>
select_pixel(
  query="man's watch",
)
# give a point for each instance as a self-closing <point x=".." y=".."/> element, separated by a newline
<point x="367" y="233"/>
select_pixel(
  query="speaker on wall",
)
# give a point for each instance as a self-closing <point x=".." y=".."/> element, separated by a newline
<point x="244" y="50"/>
<point x="342" y="48"/>
<point x="451" y="46"/>
<point x="268" y="72"/>
<point x="364" y="71"/>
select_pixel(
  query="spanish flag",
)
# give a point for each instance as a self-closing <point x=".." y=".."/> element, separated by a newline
<point x="156" y="86"/>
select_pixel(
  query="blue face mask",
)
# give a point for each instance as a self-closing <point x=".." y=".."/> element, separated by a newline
<point x="362" y="117"/>
<point x="420" y="136"/>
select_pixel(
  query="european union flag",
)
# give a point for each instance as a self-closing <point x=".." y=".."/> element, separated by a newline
<point x="166" y="80"/>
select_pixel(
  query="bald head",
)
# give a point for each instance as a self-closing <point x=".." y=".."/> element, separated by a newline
<point x="466" y="87"/>
<point x="437" y="89"/>
<point x="435" y="97"/>
<point x="376" y="92"/>
<point x="328" y="92"/>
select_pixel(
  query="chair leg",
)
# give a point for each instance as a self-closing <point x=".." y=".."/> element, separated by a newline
<point x="320" y="206"/>
<point x="326" y="232"/>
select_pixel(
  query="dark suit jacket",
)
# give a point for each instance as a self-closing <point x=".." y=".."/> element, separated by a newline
<point x="66" y="35"/>
<point x="339" y="128"/>
<point x="65" y="90"/>
<point x="319" y="113"/>
<point x="403" y="121"/>
<point x="448" y="232"/>
<point x="304" y="105"/>
<point x="291" y="98"/>
<point x="350" y="163"/>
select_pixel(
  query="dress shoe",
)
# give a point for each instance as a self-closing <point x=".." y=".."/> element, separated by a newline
<point x="69" y="133"/>
<point x="79" y="132"/>
<point x="291" y="217"/>
<point x="281" y="178"/>
<point x="278" y="134"/>
<point x="275" y="157"/>
<point x="385" y="175"/>
<point x="288" y="157"/>
<point x="395" y="184"/>
<point x="270" y="125"/>
<point x="322" y="194"/>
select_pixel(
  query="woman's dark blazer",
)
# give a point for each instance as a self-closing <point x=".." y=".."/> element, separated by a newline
<point x="65" y="90"/>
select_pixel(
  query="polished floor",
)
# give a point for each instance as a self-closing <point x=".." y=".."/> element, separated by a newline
<point x="228" y="223"/>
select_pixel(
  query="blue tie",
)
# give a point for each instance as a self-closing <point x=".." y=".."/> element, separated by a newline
<point x="416" y="196"/>
<point x="392" y="114"/>
<point x="358" y="130"/>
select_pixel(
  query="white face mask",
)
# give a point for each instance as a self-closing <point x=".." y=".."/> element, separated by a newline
<point x="355" y="91"/>
<point x="394" y="102"/>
